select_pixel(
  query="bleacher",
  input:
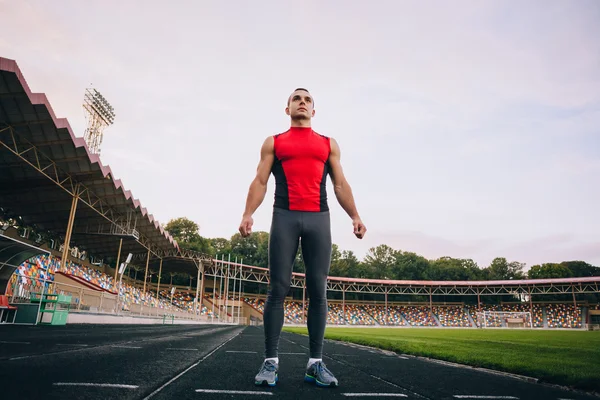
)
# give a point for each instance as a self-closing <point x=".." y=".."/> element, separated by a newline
<point x="452" y="316"/>
<point x="553" y="316"/>
<point x="447" y="316"/>
<point x="45" y="268"/>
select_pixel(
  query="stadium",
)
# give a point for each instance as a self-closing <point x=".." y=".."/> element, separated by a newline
<point x="73" y="240"/>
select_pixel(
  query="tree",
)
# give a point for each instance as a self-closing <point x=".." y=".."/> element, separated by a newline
<point x="409" y="266"/>
<point x="299" y="265"/>
<point x="453" y="269"/>
<point x="253" y="248"/>
<point x="581" y="268"/>
<point x="336" y="268"/>
<point x="549" y="270"/>
<point x="501" y="269"/>
<point x="183" y="230"/>
<point x="349" y="263"/>
<point x="220" y="245"/>
<point x="201" y="245"/>
<point x="380" y="261"/>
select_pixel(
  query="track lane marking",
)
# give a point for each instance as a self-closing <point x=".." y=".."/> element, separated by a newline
<point x="177" y="348"/>
<point x="374" y="395"/>
<point x="108" y="385"/>
<point x="475" y="396"/>
<point x="233" y="392"/>
<point x="241" y="351"/>
<point x="9" y="342"/>
<point x="201" y="332"/>
<point x="191" y="366"/>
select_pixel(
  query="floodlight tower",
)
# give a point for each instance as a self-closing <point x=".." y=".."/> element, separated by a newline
<point x="100" y="114"/>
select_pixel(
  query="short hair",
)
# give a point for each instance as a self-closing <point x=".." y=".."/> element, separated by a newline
<point x="295" y="90"/>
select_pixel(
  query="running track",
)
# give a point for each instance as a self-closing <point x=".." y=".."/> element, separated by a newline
<point x="219" y="362"/>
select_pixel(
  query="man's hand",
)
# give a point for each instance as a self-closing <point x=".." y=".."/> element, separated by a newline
<point x="359" y="228"/>
<point x="246" y="226"/>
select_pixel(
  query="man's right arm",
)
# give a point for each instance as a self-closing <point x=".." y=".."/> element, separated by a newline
<point x="258" y="187"/>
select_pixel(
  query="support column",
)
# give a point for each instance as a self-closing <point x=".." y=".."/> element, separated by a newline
<point x="478" y="302"/>
<point x="387" y="314"/>
<point x="574" y="298"/>
<point x="67" y="244"/>
<point x="241" y="303"/>
<point x="227" y="289"/>
<point x="214" y="288"/>
<point x="201" y="298"/>
<point x="344" y="302"/>
<point x="146" y="274"/>
<point x="430" y="304"/>
<point x="233" y="289"/>
<point x="198" y="299"/>
<point x="159" y="276"/>
<point x="118" y="258"/>
<point x="221" y="303"/>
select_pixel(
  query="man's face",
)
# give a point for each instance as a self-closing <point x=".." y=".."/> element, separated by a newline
<point x="300" y="105"/>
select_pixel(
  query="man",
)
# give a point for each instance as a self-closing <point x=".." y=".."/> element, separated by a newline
<point x="300" y="159"/>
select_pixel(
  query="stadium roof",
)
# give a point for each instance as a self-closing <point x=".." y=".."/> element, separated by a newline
<point x="384" y="286"/>
<point x="43" y="165"/>
<point x="511" y="282"/>
<point x="12" y="254"/>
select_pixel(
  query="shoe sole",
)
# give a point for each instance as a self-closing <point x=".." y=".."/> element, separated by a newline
<point x="267" y="383"/>
<point x="312" y="379"/>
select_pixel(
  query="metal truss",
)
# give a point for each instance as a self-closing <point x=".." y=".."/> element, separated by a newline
<point x="247" y="273"/>
<point x="183" y="253"/>
<point x="31" y="155"/>
<point x="219" y="269"/>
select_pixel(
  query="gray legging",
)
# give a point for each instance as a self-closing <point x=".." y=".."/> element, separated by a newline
<point x="314" y="231"/>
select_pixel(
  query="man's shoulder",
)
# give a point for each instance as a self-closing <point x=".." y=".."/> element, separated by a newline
<point x="323" y="136"/>
<point x="276" y="135"/>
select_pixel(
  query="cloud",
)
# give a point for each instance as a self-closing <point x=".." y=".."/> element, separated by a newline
<point x="465" y="129"/>
<point x="554" y="248"/>
<point x="433" y="247"/>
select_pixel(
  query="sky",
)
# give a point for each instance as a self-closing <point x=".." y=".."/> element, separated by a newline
<point x="470" y="129"/>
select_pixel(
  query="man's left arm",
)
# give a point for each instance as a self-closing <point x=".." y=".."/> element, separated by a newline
<point x="342" y="189"/>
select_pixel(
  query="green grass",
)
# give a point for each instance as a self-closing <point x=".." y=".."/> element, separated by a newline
<point x="559" y="357"/>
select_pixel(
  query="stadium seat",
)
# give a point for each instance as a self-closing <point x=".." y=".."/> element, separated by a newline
<point x="4" y="305"/>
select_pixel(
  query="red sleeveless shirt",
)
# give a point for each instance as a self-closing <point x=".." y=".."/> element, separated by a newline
<point x="300" y="168"/>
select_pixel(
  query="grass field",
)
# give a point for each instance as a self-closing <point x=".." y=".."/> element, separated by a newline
<point x="560" y="357"/>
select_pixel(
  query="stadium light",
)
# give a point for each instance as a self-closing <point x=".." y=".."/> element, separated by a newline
<point x="100" y="114"/>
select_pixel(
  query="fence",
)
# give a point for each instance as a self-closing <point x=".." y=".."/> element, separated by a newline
<point x="20" y="290"/>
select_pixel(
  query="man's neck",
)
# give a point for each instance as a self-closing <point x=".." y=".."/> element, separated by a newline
<point x="302" y="123"/>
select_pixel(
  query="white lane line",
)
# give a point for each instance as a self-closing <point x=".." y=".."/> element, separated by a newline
<point x="70" y="344"/>
<point x="472" y="396"/>
<point x="241" y="351"/>
<point x="191" y="367"/>
<point x="125" y="347"/>
<point x="8" y="342"/>
<point x="234" y="392"/>
<point x="294" y="354"/>
<point x="108" y="385"/>
<point x="374" y="395"/>
<point x="177" y="348"/>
